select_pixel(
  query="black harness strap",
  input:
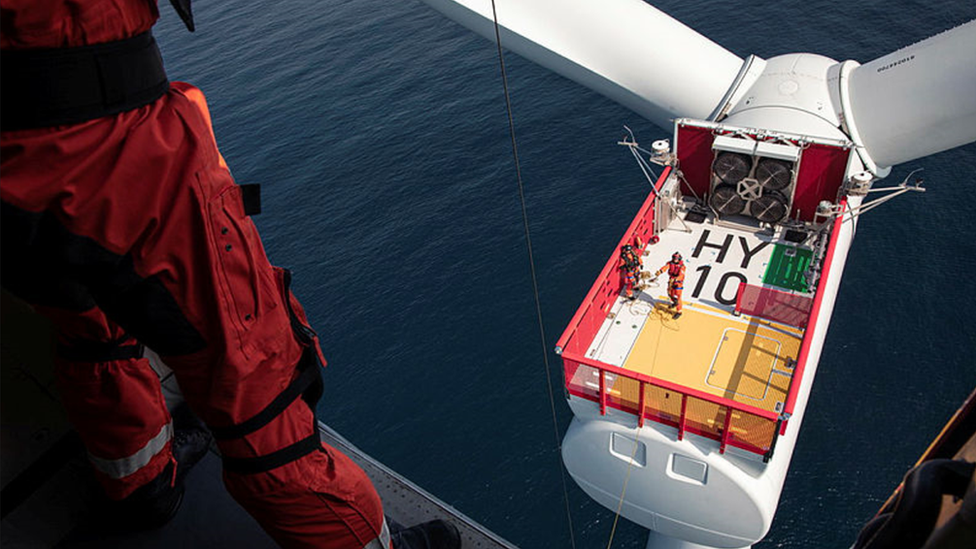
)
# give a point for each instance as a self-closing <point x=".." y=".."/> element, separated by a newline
<point x="185" y="11"/>
<point x="97" y="351"/>
<point x="53" y="87"/>
<point x="288" y="454"/>
<point x="305" y="334"/>
<point x="308" y="385"/>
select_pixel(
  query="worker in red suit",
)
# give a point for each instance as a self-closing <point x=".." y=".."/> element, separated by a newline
<point x="121" y="223"/>
<point x="676" y="281"/>
<point x="630" y="265"/>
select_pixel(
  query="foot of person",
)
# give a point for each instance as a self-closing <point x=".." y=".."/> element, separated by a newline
<point x="191" y="441"/>
<point x="436" y="534"/>
<point x="155" y="504"/>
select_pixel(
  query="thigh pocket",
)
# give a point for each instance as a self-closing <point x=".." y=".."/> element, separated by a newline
<point x="243" y="272"/>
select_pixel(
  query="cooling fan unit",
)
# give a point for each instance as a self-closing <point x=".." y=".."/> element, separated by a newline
<point x="746" y="183"/>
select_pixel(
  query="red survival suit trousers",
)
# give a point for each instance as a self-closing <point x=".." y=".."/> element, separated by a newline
<point x="129" y="229"/>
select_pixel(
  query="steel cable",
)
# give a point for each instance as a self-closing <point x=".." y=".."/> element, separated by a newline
<point x="535" y="284"/>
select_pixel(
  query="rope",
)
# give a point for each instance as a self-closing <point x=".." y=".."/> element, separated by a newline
<point x="630" y="464"/>
<point x="623" y="492"/>
<point x="535" y="283"/>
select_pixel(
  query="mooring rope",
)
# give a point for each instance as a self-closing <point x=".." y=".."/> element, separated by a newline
<point x="535" y="283"/>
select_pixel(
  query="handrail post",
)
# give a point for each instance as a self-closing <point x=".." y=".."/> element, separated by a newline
<point x="772" y="444"/>
<point x="640" y="404"/>
<point x="725" y="430"/>
<point x="681" y="422"/>
<point x="603" y="393"/>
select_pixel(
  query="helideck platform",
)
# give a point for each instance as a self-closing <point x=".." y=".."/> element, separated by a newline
<point x="743" y="358"/>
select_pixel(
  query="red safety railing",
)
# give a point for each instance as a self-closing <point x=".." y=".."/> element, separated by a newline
<point x="804" y="355"/>
<point x="686" y="409"/>
<point x="590" y="316"/>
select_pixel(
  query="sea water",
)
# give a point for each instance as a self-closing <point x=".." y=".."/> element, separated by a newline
<point x="378" y="132"/>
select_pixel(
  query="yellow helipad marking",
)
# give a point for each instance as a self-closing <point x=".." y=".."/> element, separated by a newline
<point x="742" y="359"/>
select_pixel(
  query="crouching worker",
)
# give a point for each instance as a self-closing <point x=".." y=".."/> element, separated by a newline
<point x="676" y="281"/>
<point x="123" y="225"/>
<point x="630" y="265"/>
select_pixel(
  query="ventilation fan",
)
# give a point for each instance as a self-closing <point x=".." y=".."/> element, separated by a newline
<point x="753" y="176"/>
<point x="771" y="207"/>
<point x="774" y="175"/>
<point x="731" y="167"/>
<point x="725" y="200"/>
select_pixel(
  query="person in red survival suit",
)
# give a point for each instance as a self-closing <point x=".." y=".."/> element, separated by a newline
<point x="121" y="223"/>
<point x="676" y="281"/>
<point x="630" y="267"/>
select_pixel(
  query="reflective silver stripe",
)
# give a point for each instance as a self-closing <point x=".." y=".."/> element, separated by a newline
<point x="123" y="467"/>
<point x="383" y="541"/>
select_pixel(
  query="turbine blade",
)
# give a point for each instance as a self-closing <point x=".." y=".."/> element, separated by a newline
<point x="626" y="50"/>
<point x="918" y="100"/>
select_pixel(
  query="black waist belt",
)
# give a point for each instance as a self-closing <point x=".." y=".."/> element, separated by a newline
<point x="53" y="87"/>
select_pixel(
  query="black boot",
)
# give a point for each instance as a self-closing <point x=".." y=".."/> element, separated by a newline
<point x="153" y="505"/>
<point x="436" y="534"/>
<point x="191" y="441"/>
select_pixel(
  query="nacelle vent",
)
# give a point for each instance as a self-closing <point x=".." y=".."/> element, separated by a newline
<point x="753" y="178"/>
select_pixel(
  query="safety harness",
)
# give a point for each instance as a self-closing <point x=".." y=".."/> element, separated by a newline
<point x="631" y="263"/>
<point x="53" y="87"/>
<point x="307" y="385"/>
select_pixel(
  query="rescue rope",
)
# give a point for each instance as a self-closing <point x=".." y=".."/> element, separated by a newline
<point x="623" y="492"/>
<point x="535" y="284"/>
<point x="630" y="464"/>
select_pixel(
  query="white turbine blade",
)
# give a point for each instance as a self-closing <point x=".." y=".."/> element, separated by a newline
<point x="624" y="49"/>
<point x="919" y="100"/>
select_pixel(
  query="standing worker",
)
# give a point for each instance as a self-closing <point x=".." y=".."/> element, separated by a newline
<point x="630" y="265"/>
<point x="122" y="224"/>
<point x="676" y="281"/>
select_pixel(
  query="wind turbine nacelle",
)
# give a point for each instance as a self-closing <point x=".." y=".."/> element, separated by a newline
<point x="796" y="93"/>
<point x="911" y="103"/>
<point x="679" y="489"/>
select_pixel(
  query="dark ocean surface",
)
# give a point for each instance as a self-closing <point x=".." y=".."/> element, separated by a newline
<point x="379" y="134"/>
